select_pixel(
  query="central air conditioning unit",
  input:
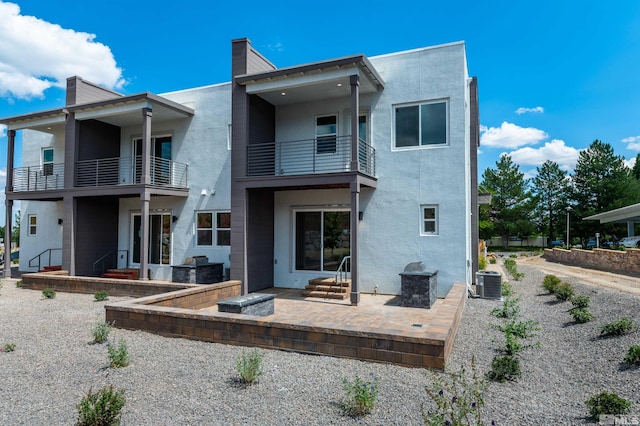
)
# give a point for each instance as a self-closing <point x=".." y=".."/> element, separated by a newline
<point x="489" y="285"/>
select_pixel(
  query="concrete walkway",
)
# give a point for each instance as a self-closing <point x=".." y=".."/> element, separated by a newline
<point x="594" y="277"/>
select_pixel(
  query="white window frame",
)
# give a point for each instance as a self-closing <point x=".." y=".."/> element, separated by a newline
<point x="47" y="166"/>
<point x="214" y="228"/>
<point x="420" y="145"/>
<point x="218" y="228"/>
<point x="435" y="220"/>
<point x="326" y="135"/>
<point x="32" y="229"/>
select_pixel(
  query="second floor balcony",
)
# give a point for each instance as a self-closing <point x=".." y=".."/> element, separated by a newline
<point x="308" y="156"/>
<point x="102" y="172"/>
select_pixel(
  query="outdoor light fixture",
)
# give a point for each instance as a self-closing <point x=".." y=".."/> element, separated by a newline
<point x="203" y="192"/>
<point x="59" y="221"/>
<point x="174" y="219"/>
<point x="360" y="215"/>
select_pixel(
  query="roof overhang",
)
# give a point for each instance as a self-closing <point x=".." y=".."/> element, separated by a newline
<point x="121" y="111"/>
<point x="623" y="214"/>
<point x="318" y="80"/>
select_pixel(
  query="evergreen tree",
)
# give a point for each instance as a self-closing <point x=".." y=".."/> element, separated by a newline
<point x="601" y="182"/>
<point x="551" y="189"/>
<point x="510" y="201"/>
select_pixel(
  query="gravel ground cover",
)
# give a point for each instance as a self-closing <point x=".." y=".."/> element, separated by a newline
<point x="180" y="382"/>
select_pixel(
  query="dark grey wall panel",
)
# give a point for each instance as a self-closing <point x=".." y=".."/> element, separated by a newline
<point x="260" y="205"/>
<point x="80" y="91"/>
<point x="96" y="231"/>
<point x="98" y="140"/>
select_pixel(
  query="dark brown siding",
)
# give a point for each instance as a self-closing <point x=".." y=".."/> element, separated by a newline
<point x="474" y="133"/>
<point x="260" y="239"/>
<point x="96" y="231"/>
<point x="81" y="92"/>
<point x="98" y="140"/>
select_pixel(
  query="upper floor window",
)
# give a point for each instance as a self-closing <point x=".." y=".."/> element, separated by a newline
<point x="326" y="134"/>
<point x="33" y="224"/>
<point x="47" y="161"/>
<point x="423" y="124"/>
<point x="429" y="219"/>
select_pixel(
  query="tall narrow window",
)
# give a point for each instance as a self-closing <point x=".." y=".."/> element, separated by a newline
<point x="326" y="134"/>
<point x="223" y="229"/>
<point x="204" y="229"/>
<point x="47" y="161"/>
<point x="159" y="238"/>
<point x="429" y="220"/>
<point x="33" y="224"/>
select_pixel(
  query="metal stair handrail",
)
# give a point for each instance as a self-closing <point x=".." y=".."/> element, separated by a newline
<point x="39" y="256"/>
<point x="343" y="270"/>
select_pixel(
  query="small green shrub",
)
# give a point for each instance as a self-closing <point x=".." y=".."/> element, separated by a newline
<point x="361" y="396"/>
<point x="482" y="263"/>
<point x="504" y="368"/>
<point x="513" y="256"/>
<point x="617" y="328"/>
<point x="249" y="366"/>
<point x="581" y="315"/>
<point x="49" y="294"/>
<point x="101" y="408"/>
<point x="564" y="291"/>
<point x="101" y="295"/>
<point x="509" y="309"/>
<point x="607" y="403"/>
<point x="19" y="283"/>
<point x="550" y="283"/>
<point x="8" y="347"/>
<point x="101" y="331"/>
<point x="493" y="260"/>
<point x="633" y="356"/>
<point x="512" y="268"/>
<point x="580" y="301"/>
<point x="118" y="354"/>
<point x="506" y="289"/>
<point x="458" y="398"/>
<point x="516" y="330"/>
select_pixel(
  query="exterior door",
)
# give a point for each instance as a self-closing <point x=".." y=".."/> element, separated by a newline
<point x="159" y="238"/>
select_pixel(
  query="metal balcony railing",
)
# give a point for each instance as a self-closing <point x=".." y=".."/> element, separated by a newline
<point x="38" y="178"/>
<point x="128" y="171"/>
<point x="328" y="154"/>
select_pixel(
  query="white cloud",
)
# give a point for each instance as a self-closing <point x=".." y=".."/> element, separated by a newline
<point x="510" y="135"/>
<point x="36" y="55"/>
<point x="556" y="150"/>
<point x="633" y="142"/>
<point x="3" y="173"/>
<point x="630" y="163"/>
<point x="3" y="130"/>
<point x="536" y="110"/>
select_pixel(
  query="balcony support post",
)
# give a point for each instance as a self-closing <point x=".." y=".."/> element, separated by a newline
<point x="146" y="146"/>
<point x="11" y="139"/>
<point x="355" y="221"/>
<point x="69" y="235"/>
<point x="355" y="111"/>
<point x="144" y="238"/>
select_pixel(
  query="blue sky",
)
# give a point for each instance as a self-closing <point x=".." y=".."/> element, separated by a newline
<point x="553" y="75"/>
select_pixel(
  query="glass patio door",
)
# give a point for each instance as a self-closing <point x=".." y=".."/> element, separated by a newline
<point x="159" y="238"/>
<point x="322" y="239"/>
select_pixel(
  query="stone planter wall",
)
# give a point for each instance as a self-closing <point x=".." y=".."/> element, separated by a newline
<point x="626" y="262"/>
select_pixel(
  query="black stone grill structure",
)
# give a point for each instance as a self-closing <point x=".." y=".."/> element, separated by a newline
<point x="419" y="286"/>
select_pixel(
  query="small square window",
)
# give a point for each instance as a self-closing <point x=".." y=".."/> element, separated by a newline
<point x="204" y="229"/>
<point x="429" y="220"/>
<point x="47" y="161"/>
<point x="223" y="229"/>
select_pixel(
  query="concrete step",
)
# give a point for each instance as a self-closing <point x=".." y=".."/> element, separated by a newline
<point x="325" y="294"/>
<point x="329" y="288"/>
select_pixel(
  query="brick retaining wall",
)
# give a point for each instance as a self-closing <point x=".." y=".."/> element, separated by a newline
<point x="61" y="281"/>
<point x="626" y="262"/>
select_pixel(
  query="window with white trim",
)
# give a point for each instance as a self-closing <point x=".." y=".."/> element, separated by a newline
<point x="326" y="134"/>
<point x="47" y="161"/>
<point x="208" y="224"/>
<point x="33" y="224"/>
<point x="421" y="125"/>
<point x="429" y="219"/>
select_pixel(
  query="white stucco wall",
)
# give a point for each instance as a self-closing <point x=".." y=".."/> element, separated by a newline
<point x="202" y="143"/>
<point x="390" y="230"/>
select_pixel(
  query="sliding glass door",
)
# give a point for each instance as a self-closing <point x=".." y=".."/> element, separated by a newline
<point x="159" y="238"/>
<point x="322" y="239"/>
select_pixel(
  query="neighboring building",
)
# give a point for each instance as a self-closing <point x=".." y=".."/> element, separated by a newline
<point x="372" y="158"/>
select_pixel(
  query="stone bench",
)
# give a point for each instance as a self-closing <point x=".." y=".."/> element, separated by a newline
<point x="250" y="304"/>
